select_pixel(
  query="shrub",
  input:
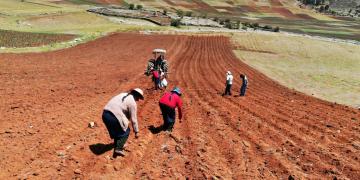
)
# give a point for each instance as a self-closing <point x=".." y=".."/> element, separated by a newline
<point x="175" y="22"/>
<point x="188" y="13"/>
<point x="237" y="24"/>
<point x="327" y="7"/>
<point x="216" y="19"/>
<point x="180" y="13"/>
<point x="267" y="27"/>
<point x="204" y="15"/>
<point x="276" y="29"/>
<point x="164" y="12"/>
<point x="139" y="6"/>
<point x="131" y="6"/>
<point x="228" y="25"/>
<point x="227" y="20"/>
<point x="246" y="24"/>
<point x="222" y="22"/>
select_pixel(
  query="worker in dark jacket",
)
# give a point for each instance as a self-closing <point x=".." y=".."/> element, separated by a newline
<point x="244" y="84"/>
<point x="168" y="103"/>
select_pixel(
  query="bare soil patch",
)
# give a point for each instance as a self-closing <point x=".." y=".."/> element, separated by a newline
<point x="47" y="100"/>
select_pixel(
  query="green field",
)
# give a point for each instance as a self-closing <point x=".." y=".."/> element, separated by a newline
<point x="38" y="16"/>
<point x="327" y="70"/>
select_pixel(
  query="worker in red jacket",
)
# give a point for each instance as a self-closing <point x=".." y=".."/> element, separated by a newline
<point x="168" y="102"/>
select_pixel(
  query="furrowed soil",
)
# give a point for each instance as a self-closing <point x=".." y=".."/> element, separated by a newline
<point x="48" y="99"/>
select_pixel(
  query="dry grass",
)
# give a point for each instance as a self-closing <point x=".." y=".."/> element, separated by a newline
<point x="327" y="70"/>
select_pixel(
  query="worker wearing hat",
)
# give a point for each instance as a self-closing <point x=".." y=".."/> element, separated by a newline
<point x="116" y="115"/>
<point x="168" y="103"/>
<point x="228" y="84"/>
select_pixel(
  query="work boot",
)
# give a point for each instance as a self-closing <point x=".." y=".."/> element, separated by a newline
<point x="170" y="127"/>
<point x="119" y="152"/>
<point x="119" y="145"/>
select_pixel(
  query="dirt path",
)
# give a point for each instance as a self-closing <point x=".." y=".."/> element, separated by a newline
<point x="47" y="100"/>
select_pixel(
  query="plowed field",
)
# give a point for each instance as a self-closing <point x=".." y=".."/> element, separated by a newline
<point x="47" y="100"/>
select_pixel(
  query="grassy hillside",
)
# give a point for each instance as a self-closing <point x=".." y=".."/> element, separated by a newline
<point x="283" y="13"/>
<point x="55" y="17"/>
<point x="327" y="70"/>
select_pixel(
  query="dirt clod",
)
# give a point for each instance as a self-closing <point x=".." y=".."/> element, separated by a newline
<point x="77" y="171"/>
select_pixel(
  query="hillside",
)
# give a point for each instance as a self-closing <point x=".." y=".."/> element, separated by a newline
<point x="344" y="4"/>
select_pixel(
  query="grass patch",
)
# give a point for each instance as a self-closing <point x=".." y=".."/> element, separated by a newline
<point x="321" y="31"/>
<point x="328" y="70"/>
<point x="26" y="39"/>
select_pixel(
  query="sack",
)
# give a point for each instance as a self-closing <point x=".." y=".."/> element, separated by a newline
<point x="163" y="83"/>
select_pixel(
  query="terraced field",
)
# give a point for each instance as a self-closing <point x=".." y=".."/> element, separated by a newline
<point x="25" y="39"/>
<point x="47" y="100"/>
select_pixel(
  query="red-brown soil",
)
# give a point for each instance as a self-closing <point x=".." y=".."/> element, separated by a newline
<point x="47" y="100"/>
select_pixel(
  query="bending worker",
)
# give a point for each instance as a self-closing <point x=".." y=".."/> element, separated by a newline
<point x="168" y="102"/>
<point x="116" y="115"/>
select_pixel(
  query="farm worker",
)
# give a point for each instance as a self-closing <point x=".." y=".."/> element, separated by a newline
<point x="156" y="77"/>
<point x="229" y="79"/>
<point x="244" y="84"/>
<point x="168" y="102"/>
<point x="161" y="64"/>
<point x="116" y="115"/>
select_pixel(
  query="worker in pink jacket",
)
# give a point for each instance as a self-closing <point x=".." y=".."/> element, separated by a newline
<point x="168" y="103"/>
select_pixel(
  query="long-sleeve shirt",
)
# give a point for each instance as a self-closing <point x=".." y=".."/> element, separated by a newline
<point x="229" y="79"/>
<point x="172" y="100"/>
<point x="124" y="107"/>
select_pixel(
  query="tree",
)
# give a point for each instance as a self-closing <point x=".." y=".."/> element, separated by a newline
<point x="180" y="13"/>
<point x="237" y="24"/>
<point x="139" y="6"/>
<point x="255" y="25"/>
<point x="327" y="7"/>
<point x="267" y="27"/>
<point x="222" y="22"/>
<point x="175" y="22"/>
<point x="165" y="12"/>
<point x="188" y="13"/>
<point x="228" y="25"/>
<point x="276" y="29"/>
<point x="131" y="6"/>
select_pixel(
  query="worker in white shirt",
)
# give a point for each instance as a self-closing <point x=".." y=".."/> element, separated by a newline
<point x="229" y="80"/>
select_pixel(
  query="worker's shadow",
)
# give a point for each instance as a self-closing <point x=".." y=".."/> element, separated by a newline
<point x="101" y="148"/>
<point x="155" y="130"/>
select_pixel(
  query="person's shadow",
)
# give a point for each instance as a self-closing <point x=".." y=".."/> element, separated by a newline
<point x="101" y="148"/>
<point x="156" y="130"/>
